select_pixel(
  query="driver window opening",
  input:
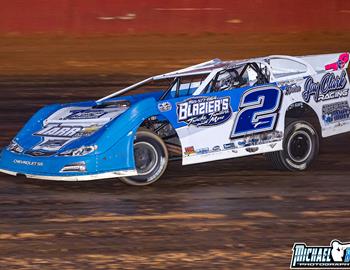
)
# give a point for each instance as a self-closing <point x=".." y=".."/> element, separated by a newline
<point x="286" y="67"/>
<point x="250" y="74"/>
<point x="185" y="86"/>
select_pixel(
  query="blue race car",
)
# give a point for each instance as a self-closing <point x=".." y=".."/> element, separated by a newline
<point x="279" y="106"/>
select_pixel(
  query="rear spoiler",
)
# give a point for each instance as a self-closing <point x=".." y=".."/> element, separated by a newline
<point x="323" y="62"/>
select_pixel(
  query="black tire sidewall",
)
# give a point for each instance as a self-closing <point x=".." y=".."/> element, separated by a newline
<point x="292" y="129"/>
<point x="155" y="174"/>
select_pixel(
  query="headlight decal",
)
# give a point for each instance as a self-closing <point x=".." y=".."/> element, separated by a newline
<point x="15" y="147"/>
<point x="78" y="152"/>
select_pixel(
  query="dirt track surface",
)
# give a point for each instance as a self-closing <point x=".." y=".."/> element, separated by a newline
<point x="151" y="54"/>
<point x="233" y="214"/>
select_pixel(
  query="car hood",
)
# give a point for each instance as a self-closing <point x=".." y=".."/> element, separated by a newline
<point x="69" y="126"/>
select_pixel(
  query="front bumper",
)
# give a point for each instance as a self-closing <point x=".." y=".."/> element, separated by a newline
<point x="90" y="177"/>
<point x="50" y="168"/>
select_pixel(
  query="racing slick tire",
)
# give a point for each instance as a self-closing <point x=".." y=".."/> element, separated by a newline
<point x="151" y="159"/>
<point x="300" y="147"/>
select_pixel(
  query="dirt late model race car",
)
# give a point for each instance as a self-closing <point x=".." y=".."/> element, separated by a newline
<point x="279" y="106"/>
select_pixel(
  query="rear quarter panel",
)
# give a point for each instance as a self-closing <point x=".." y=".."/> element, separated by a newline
<point x="327" y="93"/>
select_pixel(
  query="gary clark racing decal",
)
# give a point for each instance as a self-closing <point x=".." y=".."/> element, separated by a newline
<point x="204" y="111"/>
<point x="330" y="87"/>
<point x="334" y="256"/>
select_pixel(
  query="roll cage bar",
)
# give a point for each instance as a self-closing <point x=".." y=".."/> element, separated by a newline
<point x="261" y="78"/>
<point x="212" y="68"/>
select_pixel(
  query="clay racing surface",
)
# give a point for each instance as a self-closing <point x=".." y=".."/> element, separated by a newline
<point x="223" y="215"/>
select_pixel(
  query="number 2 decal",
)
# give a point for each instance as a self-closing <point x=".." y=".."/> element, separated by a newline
<point x="258" y="111"/>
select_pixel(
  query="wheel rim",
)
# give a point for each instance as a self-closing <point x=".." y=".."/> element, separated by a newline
<point x="146" y="157"/>
<point x="299" y="146"/>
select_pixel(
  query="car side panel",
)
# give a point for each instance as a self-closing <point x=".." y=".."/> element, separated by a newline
<point x="327" y="93"/>
<point x="244" y="121"/>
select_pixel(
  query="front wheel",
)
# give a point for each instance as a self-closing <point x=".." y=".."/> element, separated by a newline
<point x="151" y="159"/>
<point x="300" y="147"/>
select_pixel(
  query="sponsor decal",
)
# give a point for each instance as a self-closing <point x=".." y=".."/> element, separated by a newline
<point x="202" y="151"/>
<point x="343" y="59"/>
<point x="292" y="88"/>
<point x="243" y="143"/>
<point x="54" y="137"/>
<point x="261" y="138"/>
<point x="28" y="163"/>
<point x="334" y="256"/>
<point x="189" y="150"/>
<point x="39" y="153"/>
<point x="272" y="145"/>
<point x="87" y="131"/>
<point x="15" y="147"/>
<point x="216" y="148"/>
<point x="84" y="128"/>
<point x="252" y="149"/>
<point x="60" y="131"/>
<point x="204" y="111"/>
<point x="48" y="145"/>
<point x="335" y="112"/>
<point x="85" y="114"/>
<point x="164" y="106"/>
<point x="330" y="87"/>
<point x="249" y="142"/>
<point x="64" y="131"/>
<point x="52" y="143"/>
<point x="228" y="146"/>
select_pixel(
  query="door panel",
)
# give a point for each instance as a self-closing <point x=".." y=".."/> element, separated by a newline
<point x="226" y="124"/>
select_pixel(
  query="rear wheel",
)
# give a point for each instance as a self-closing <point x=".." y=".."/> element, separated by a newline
<point x="151" y="159"/>
<point x="300" y="147"/>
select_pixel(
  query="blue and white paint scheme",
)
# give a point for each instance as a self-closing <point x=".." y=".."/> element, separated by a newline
<point x="229" y="112"/>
